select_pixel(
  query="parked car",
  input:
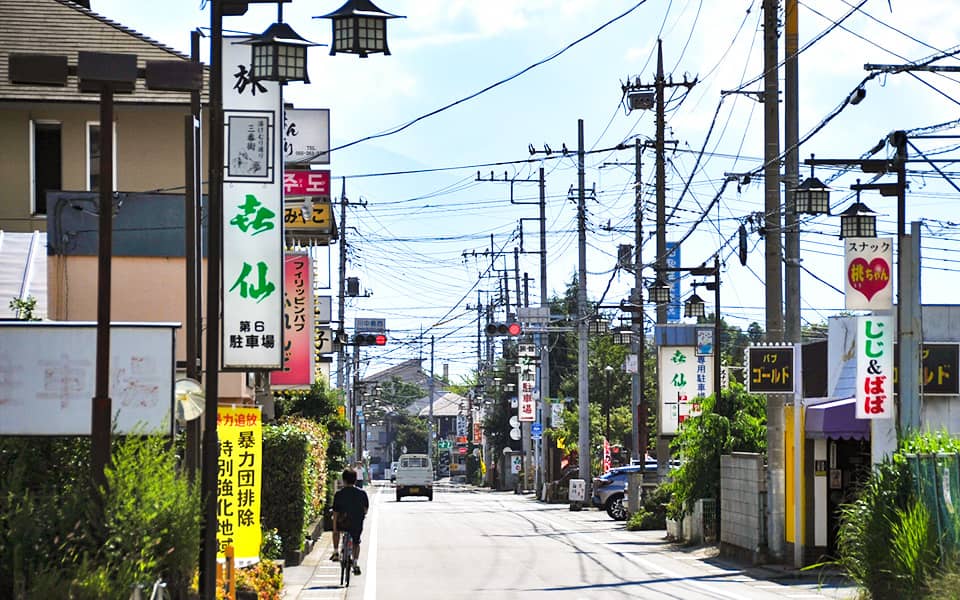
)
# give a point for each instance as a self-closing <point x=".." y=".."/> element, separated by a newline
<point x="610" y="489"/>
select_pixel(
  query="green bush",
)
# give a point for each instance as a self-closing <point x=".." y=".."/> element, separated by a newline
<point x="60" y="539"/>
<point x="642" y="520"/>
<point x="294" y="479"/>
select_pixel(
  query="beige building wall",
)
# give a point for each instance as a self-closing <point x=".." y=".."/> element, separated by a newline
<point x="144" y="289"/>
<point x="149" y="153"/>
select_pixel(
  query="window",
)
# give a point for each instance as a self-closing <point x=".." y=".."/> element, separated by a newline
<point x="93" y="156"/>
<point x="47" y="163"/>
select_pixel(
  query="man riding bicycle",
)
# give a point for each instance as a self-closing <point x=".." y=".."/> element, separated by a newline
<point x="350" y="506"/>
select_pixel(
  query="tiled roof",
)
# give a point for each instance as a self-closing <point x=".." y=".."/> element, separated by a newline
<point x="63" y="27"/>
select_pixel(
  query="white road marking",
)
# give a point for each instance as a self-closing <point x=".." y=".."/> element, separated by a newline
<point x="370" y="585"/>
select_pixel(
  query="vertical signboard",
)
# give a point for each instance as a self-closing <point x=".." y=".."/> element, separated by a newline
<point x="252" y="285"/>
<point x="297" y="323"/>
<point x="673" y="280"/>
<point x="867" y="273"/>
<point x="527" y="406"/>
<point x="239" y="473"/>
<point x="684" y="381"/>
<point x="306" y="136"/>
<point x="874" y="367"/>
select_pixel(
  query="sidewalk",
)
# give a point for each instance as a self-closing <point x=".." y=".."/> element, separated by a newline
<point x="316" y="577"/>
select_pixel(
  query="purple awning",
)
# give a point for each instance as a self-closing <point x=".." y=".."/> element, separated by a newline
<point x="836" y="419"/>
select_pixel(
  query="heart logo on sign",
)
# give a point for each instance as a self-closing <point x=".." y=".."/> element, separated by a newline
<point x="868" y="278"/>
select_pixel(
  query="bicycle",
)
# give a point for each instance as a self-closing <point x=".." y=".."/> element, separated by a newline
<point x="346" y="558"/>
<point x="159" y="591"/>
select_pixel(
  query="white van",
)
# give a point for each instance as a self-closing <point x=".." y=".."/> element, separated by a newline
<point x="414" y="476"/>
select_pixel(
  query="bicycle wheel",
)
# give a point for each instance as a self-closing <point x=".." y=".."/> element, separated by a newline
<point x="346" y="559"/>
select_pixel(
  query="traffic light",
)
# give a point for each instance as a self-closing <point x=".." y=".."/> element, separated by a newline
<point x="512" y="329"/>
<point x="369" y="339"/>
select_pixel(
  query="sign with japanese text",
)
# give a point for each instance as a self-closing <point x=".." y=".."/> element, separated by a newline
<point x="527" y="381"/>
<point x="605" y="463"/>
<point x="252" y="284"/>
<point x="869" y="285"/>
<point x="770" y="370"/>
<point x="362" y="325"/>
<point x="318" y="219"/>
<point x="940" y="365"/>
<point x="304" y="182"/>
<point x="874" y="367"/>
<point x="297" y="323"/>
<point x="673" y="280"/>
<point x="239" y="474"/>
<point x="306" y="135"/>
<point x="477" y="432"/>
<point x="684" y="382"/>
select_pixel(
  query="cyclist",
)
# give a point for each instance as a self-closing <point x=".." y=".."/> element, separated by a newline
<point x="350" y="506"/>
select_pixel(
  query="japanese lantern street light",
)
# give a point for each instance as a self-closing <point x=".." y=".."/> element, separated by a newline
<point x="693" y="307"/>
<point x="812" y="197"/>
<point x="359" y="27"/>
<point x="279" y="54"/>
<point x="659" y="292"/>
<point x="858" y="220"/>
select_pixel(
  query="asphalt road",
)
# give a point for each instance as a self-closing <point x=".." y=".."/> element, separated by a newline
<point x="480" y="545"/>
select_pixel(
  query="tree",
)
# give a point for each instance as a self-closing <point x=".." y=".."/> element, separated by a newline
<point x="410" y="432"/>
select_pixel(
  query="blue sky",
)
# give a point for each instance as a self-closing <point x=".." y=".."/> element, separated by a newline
<point x="414" y="238"/>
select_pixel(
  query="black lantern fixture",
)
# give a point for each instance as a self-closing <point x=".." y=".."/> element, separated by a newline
<point x="359" y="27"/>
<point x="812" y="197"/>
<point x="659" y="292"/>
<point x="858" y="220"/>
<point x="694" y="307"/>
<point x="280" y="54"/>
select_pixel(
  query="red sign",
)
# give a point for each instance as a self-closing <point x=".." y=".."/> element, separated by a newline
<point x="606" y="456"/>
<point x="306" y="183"/>
<point x="298" y="323"/>
<point x="869" y="278"/>
<point x="463" y="449"/>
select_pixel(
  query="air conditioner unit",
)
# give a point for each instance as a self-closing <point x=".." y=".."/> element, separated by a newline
<point x="641" y="100"/>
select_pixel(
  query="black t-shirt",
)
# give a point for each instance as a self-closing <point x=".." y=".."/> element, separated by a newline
<point x="354" y="503"/>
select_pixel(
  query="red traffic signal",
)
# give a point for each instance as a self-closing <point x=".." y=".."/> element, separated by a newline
<point x="369" y="339"/>
<point x="512" y="329"/>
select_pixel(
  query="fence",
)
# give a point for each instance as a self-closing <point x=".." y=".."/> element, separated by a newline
<point x="936" y="480"/>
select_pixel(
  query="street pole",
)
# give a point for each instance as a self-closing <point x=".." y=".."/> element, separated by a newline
<point x="543" y="340"/>
<point x="341" y="295"/>
<point x="583" y="388"/>
<point x="638" y="408"/>
<point x="101" y="414"/>
<point x="210" y="450"/>
<point x="774" y="277"/>
<point x="433" y="389"/>
<point x="791" y="136"/>
<point x="716" y="331"/>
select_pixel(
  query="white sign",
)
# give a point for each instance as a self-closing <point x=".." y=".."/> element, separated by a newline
<point x="370" y="325"/>
<point x="630" y="364"/>
<point x="516" y="463"/>
<point x="874" y="367"/>
<point x="323" y="308"/>
<point x="48" y="377"/>
<point x="869" y="285"/>
<point x="684" y="381"/>
<point x="306" y="135"/>
<point x="527" y="381"/>
<point x="252" y="285"/>
<point x="578" y="490"/>
<point x="556" y="416"/>
<point x="324" y="339"/>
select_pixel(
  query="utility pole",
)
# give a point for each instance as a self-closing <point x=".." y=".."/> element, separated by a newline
<point x="583" y="374"/>
<point x="524" y="425"/>
<point x="774" y="277"/>
<point x="433" y="389"/>
<point x="543" y="339"/>
<point x="659" y="85"/>
<point x="791" y="137"/>
<point x="341" y="300"/>
<point x="638" y="403"/>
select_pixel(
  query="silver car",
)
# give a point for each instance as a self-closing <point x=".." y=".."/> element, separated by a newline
<point x="610" y="490"/>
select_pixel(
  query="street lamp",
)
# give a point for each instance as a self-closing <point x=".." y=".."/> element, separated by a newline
<point x="280" y="54"/>
<point x="659" y="292"/>
<point x="858" y="220"/>
<point x="360" y="28"/>
<point x="812" y="197"/>
<point x="693" y="307"/>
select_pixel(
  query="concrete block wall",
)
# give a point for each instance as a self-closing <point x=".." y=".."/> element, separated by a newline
<point x="742" y="486"/>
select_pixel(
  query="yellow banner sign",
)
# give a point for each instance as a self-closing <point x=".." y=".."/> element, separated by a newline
<point x="239" y="473"/>
<point x="320" y="220"/>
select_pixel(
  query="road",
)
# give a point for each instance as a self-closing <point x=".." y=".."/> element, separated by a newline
<point x="476" y="544"/>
